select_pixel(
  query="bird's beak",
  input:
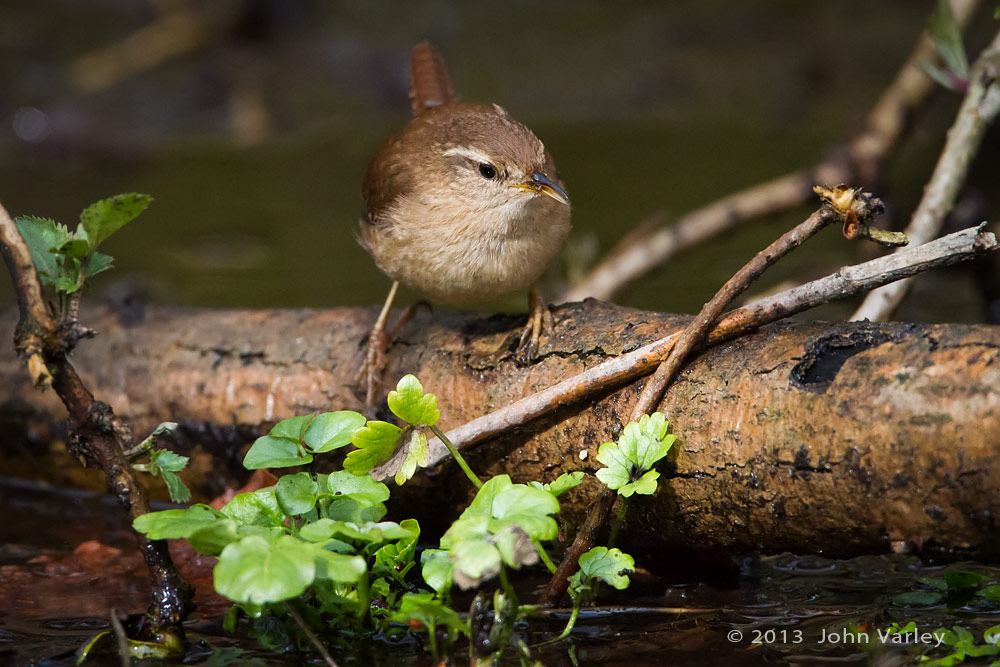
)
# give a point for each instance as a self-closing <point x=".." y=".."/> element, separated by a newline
<point x="542" y="184"/>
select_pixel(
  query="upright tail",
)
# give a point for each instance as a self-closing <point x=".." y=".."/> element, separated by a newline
<point x="429" y="84"/>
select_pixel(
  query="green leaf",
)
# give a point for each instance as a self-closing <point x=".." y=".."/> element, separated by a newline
<point x="172" y="524"/>
<point x="992" y="635"/>
<point x="629" y="462"/>
<point x="103" y="218"/>
<point x="296" y="494"/>
<point x="332" y="430"/>
<point x="99" y="263"/>
<point x="69" y="282"/>
<point x="609" y="565"/>
<point x="990" y="592"/>
<point x="375" y="443"/>
<point x="947" y="37"/>
<point x="409" y="403"/>
<point x="179" y="493"/>
<point x="562" y="484"/>
<point x="361" y="488"/>
<point x="371" y="531"/>
<point x="258" y="508"/>
<point x="916" y="598"/>
<point x="424" y="609"/>
<point x="528" y="508"/>
<point x="270" y="452"/>
<point x="437" y="568"/>
<point x="258" y="571"/>
<point x="482" y="504"/>
<point x="932" y="582"/>
<point x="417" y="454"/>
<point x="164" y="459"/>
<point x="476" y="560"/>
<point x="214" y="537"/>
<point x="343" y="568"/>
<point x="292" y="428"/>
<point x="42" y="236"/>
<point x="959" y="580"/>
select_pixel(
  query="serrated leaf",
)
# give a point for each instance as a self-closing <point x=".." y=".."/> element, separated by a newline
<point x="411" y="404"/>
<point x="565" y="482"/>
<point x="68" y="283"/>
<point x="609" y="565"/>
<point x="258" y="571"/>
<point x="270" y="452"/>
<point x="42" y="236"/>
<point x="179" y="493"/>
<point x="164" y="459"/>
<point x="332" y="430"/>
<point x="173" y="524"/>
<point x="296" y="494"/>
<point x="375" y="442"/>
<point x="99" y="262"/>
<point x="103" y="218"/>
<point x="629" y="462"/>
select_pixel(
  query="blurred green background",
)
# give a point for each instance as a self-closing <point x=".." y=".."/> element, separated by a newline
<point x="251" y="122"/>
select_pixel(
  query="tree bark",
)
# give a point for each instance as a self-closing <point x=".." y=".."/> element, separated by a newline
<point x="839" y="438"/>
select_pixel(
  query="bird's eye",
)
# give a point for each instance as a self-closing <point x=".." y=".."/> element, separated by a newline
<point x="487" y="171"/>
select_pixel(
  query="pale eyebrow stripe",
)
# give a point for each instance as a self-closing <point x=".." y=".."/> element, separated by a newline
<point x="472" y="154"/>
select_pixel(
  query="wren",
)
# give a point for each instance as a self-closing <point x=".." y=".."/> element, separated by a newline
<point x="462" y="205"/>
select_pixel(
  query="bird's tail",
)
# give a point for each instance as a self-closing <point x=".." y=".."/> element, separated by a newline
<point x="429" y="84"/>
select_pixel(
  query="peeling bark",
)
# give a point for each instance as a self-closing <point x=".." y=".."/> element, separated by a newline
<point x="834" y="437"/>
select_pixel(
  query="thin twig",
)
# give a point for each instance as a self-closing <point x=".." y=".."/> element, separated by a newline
<point x="845" y="283"/>
<point x="310" y="635"/>
<point x="979" y="108"/>
<point x="696" y="331"/>
<point x="124" y="653"/>
<point x="97" y="436"/>
<point x="859" y="162"/>
<point x="35" y="319"/>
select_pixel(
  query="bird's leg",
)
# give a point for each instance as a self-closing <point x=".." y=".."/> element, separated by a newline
<point x="370" y="374"/>
<point x="539" y="320"/>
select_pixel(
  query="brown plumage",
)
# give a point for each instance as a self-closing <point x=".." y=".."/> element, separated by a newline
<point x="462" y="205"/>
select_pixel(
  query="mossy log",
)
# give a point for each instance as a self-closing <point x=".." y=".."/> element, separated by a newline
<point x="841" y="438"/>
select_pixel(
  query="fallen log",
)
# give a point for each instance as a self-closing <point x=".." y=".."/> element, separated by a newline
<point x="839" y="438"/>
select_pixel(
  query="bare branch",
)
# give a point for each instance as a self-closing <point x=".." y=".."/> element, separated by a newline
<point x="845" y="283"/>
<point x="860" y="162"/>
<point x="979" y="108"/>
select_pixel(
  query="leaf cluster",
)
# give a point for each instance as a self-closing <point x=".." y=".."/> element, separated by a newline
<point x="629" y="462"/>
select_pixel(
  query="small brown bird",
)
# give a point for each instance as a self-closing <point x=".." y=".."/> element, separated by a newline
<point x="461" y="205"/>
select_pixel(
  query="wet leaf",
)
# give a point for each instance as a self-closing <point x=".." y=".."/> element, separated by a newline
<point x="259" y="508"/>
<point x="256" y="570"/>
<point x="608" y="565"/>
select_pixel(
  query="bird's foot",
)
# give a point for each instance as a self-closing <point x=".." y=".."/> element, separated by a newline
<point x="539" y="323"/>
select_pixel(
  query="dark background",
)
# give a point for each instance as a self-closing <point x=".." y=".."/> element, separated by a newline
<point x="253" y="140"/>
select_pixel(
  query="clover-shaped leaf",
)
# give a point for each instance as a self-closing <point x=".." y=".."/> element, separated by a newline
<point x="411" y="404"/>
<point x="375" y="442"/>
<point x="630" y="461"/>
<point x="609" y="565"/>
<point x="562" y="483"/>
